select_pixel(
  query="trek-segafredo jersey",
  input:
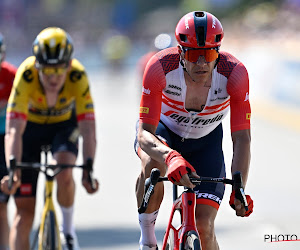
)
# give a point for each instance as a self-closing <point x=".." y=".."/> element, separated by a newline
<point x="164" y="93"/>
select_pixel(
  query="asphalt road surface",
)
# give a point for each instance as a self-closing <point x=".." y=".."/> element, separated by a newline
<point x="108" y="220"/>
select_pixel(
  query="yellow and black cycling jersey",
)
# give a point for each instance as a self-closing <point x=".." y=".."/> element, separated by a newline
<point x="28" y="100"/>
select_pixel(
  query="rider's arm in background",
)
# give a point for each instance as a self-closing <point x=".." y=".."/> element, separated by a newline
<point x="86" y="123"/>
<point x="87" y="129"/>
<point x="13" y="147"/>
<point x="16" y="120"/>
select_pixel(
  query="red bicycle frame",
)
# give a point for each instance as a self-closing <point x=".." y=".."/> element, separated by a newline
<point x="187" y="232"/>
<point x="185" y="205"/>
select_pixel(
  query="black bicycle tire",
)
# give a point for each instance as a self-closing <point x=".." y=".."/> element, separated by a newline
<point x="49" y="241"/>
<point x="192" y="239"/>
<point x="170" y="241"/>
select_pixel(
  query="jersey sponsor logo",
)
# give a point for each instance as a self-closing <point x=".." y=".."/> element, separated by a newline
<point x="26" y="189"/>
<point x="248" y="116"/>
<point x="196" y="121"/>
<point x="144" y="110"/>
<point x="27" y="75"/>
<point x="172" y="93"/>
<point x="219" y="98"/>
<point x="246" y="97"/>
<point x="51" y="111"/>
<point x="174" y="87"/>
<point x="89" y="106"/>
<point x="208" y="196"/>
<point x="146" y="91"/>
<point x="76" y="75"/>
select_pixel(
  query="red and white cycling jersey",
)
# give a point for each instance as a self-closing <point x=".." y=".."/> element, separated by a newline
<point x="164" y="93"/>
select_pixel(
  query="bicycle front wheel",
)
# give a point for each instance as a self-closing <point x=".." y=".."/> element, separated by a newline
<point x="50" y="234"/>
<point x="171" y="240"/>
<point x="191" y="241"/>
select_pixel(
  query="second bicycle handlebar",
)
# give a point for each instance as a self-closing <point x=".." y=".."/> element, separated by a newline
<point x="155" y="177"/>
<point x="57" y="168"/>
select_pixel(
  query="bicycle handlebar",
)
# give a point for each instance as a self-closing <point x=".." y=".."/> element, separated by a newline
<point x="44" y="167"/>
<point x="150" y="183"/>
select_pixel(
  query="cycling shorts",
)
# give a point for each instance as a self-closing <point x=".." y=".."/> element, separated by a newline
<point x="3" y="169"/>
<point x="205" y="155"/>
<point x="61" y="136"/>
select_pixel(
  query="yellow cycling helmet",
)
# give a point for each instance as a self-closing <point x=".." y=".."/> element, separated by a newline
<point x="52" y="46"/>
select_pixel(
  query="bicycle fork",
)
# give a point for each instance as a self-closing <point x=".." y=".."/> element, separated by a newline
<point x="49" y="207"/>
<point x="185" y="205"/>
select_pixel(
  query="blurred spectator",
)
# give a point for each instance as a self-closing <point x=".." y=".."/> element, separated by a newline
<point x="162" y="41"/>
<point x="115" y="49"/>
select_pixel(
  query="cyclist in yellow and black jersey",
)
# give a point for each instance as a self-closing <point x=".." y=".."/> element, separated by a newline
<point x="29" y="90"/>
<point x="50" y="104"/>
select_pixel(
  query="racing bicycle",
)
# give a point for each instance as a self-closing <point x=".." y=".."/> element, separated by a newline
<point x="48" y="234"/>
<point x="185" y="236"/>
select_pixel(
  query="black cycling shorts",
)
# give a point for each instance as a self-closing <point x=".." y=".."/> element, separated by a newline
<point x="205" y="155"/>
<point x="61" y="136"/>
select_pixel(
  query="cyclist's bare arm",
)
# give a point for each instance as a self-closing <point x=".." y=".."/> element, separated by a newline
<point x="157" y="150"/>
<point x="87" y="129"/>
<point x="13" y="146"/>
<point x="13" y="138"/>
<point x="241" y="153"/>
<point x="150" y="144"/>
<point x="241" y="159"/>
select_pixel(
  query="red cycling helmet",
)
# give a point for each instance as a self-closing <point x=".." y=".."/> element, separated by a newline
<point x="200" y="30"/>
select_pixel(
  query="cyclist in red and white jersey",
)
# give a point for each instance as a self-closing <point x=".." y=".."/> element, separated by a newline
<point x="7" y="75"/>
<point x="187" y="92"/>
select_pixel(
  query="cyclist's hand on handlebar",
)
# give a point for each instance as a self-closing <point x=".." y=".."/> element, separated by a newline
<point x="15" y="184"/>
<point x="87" y="183"/>
<point x="238" y="206"/>
<point x="178" y="169"/>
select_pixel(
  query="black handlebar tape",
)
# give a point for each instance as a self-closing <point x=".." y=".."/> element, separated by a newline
<point x="154" y="176"/>
<point x="149" y="189"/>
<point x="239" y="189"/>
<point x="89" y="167"/>
<point x="12" y="167"/>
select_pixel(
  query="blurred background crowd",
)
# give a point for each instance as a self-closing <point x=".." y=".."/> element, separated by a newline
<point x="115" y="34"/>
<point x="122" y="29"/>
